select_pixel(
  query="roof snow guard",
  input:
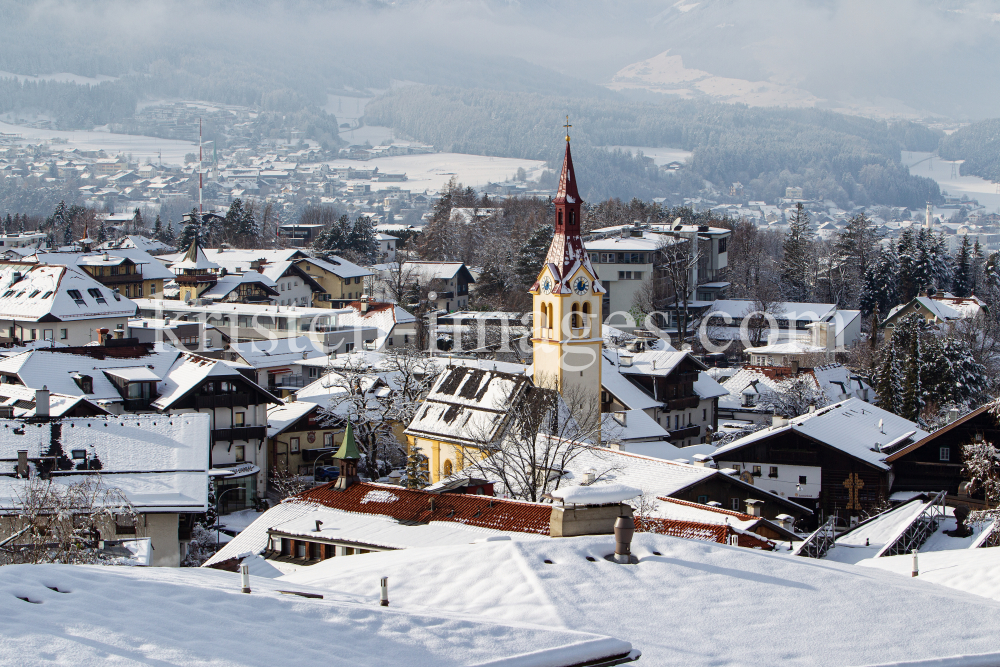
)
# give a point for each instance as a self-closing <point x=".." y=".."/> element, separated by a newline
<point x="567" y="252"/>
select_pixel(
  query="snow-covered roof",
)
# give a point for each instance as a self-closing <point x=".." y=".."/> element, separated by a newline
<point x="706" y="387"/>
<point x="467" y="405"/>
<point x="59" y="292"/>
<point x="427" y="271"/>
<point x="238" y="260"/>
<point x="598" y="494"/>
<point x="159" y="461"/>
<point x="172" y="615"/>
<point x="627" y="393"/>
<point x="195" y="259"/>
<point x="232" y="281"/>
<point x="135" y="241"/>
<point x="188" y="371"/>
<point x="280" y="417"/>
<point x="851" y="426"/>
<point x="22" y="399"/>
<point x="382" y="316"/>
<point x="276" y="351"/>
<point x="150" y="266"/>
<point x="737" y="308"/>
<point x="134" y="374"/>
<point x="708" y="585"/>
<point x="834" y="380"/>
<point x="660" y="363"/>
<point x="338" y="266"/>
<point x="637" y="426"/>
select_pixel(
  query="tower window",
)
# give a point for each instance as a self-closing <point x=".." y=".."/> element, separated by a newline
<point x="575" y="321"/>
<point x="560" y="218"/>
<point x="572" y="218"/>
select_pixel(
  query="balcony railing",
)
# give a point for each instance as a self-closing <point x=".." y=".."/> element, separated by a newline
<point x="686" y="432"/>
<point x="239" y="433"/>
<point x="222" y="401"/>
<point x="682" y="403"/>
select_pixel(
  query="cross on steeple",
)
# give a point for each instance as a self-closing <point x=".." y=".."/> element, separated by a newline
<point x="854" y="484"/>
<point x="567" y="126"/>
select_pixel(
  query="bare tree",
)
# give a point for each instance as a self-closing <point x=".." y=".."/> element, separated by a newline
<point x="792" y="397"/>
<point x="537" y="438"/>
<point x="674" y="275"/>
<point x="57" y="523"/>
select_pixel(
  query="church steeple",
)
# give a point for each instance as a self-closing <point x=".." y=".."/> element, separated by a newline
<point x="567" y="303"/>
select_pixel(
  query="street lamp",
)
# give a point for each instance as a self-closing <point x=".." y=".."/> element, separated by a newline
<point x="218" y="503"/>
<point x="316" y="462"/>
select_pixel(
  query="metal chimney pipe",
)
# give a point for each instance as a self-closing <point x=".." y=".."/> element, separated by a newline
<point x="624" y="529"/>
<point x="383" y="599"/>
<point x="42" y="401"/>
<point x="916" y="570"/>
<point x="245" y="577"/>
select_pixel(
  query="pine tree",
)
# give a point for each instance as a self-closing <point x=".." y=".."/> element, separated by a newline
<point x="248" y="231"/>
<point x="528" y="263"/>
<point x="857" y="249"/>
<point x="912" y="400"/>
<point x="798" y="257"/>
<point x="169" y="237"/>
<point x="8" y="225"/>
<point x="68" y="234"/>
<point x="158" y="228"/>
<point x="961" y="284"/>
<point x="362" y="239"/>
<point x="881" y="289"/>
<point x="137" y="224"/>
<point x="233" y="220"/>
<point x="416" y="475"/>
<point x="102" y="232"/>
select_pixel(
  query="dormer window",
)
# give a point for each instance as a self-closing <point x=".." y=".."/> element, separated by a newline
<point x="47" y="295"/>
<point x="34" y="293"/>
<point x="76" y="296"/>
<point x="96" y="293"/>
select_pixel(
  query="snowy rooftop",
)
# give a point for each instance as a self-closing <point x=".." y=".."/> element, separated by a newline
<point x="854" y="427"/>
<point x="59" y="292"/>
<point x="338" y="266"/>
<point x="792" y="611"/>
<point x="150" y="267"/>
<point x="276" y="351"/>
<point x="94" y="616"/>
<point x="232" y="281"/>
<point x="159" y="461"/>
<point x="280" y="417"/>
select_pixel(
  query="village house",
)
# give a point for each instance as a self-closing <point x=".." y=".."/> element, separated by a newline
<point x="936" y="309"/>
<point x="160" y="463"/>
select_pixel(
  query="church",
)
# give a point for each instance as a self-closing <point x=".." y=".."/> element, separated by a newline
<point x="467" y="407"/>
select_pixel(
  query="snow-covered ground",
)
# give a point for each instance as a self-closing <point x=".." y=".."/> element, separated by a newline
<point x="946" y="173"/>
<point x="692" y="603"/>
<point x="91" y="615"/>
<point x="141" y="148"/>
<point x="431" y="171"/>
<point x="661" y="156"/>
<point x="61" y="77"/>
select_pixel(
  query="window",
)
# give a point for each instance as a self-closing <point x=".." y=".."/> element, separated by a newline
<point x="595" y="258"/>
<point x="944" y="454"/>
<point x="328" y="439"/>
<point x="448" y="468"/>
<point x="79" y="453"/>
<point x="240" y="419"/>
<point x="8" y="293"/>
<point x="357" y="281"/>
<point x="773" y="473"/>
<point x="575" y="321"/>
<point x="734" y="504"/>
<point x="96" y="293"/>
<point x="802" y="479"/>
<point x="47" y="295"/>
<point x="704" y="414"/>
<point x="756" y="471"/>
<point x="34" y="334"/>
<point x="736" y="467"/>
<point x="722" y="244"/>
<point x="63" y="334"/>
<point x="702" y="499"/>
<point x="76" y="296"/>
<point x="34" y="293"/>
<point x="607" y="258"/>
<point x="47" y="334"/>
<point x="240" y="453"/>
<point x="293" y="445"/>
<point x="138" y="289"/>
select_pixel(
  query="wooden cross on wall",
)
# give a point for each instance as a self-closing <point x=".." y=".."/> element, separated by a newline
<point x="854" y="484"/>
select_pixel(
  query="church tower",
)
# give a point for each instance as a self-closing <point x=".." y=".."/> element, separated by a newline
<point x="567" y="300"/>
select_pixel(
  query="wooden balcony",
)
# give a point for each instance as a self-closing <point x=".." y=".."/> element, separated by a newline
<point x="245" y="433"/>
<point x="686" y="432"/>
<point x="682" y="403"/>
<point x="222" y="401"/>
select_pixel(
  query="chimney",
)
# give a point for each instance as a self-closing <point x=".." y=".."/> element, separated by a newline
<point x="574" y="520"/>
<point x="6" y="411"/>
<point x="702" y="460"/>
<point x="777" y="421"/>
<point x="589" y="477"/>
<point x="753" y="507"/>
<point x="794" y="363"/>
<point x="42" y="402"/>
<point x="102" y="336"/>
<point x="953" y="415"/>
<point x="22" y="463"/>
<point x="624" y="529"/>
<point x="785" y="521"/>
<point x="625" y="360"/>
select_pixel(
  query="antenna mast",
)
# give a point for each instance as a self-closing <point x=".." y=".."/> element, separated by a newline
<point x="201" y="210"/>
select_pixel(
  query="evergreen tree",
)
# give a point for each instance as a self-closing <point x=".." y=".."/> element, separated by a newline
<point x="137" y="224"/>
<point x="857" y="249"/>
<point x="158" y="228"/>
<point x="8" y="225"/>
<point x="528" y="263"/>
<point x="68" y="234"/>
<point x="248" y="231"/>
<point x="102" y="232"/>
<point x="232" y="222"/>
<point x="961" y="284"/>
<point x="912" y="400"/>
<point x="416" y="475"/>
<point x="362" y="239"/>
<point x="169" y="237"/>
<point x="798" y="257"/>
<point x="881" y="289"/>
<point x="978" y="264"/>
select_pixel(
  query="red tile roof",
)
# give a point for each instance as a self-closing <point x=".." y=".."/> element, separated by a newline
<point x="417" y="506"/>
<point x="706" y="532"/>
<point x="742" y="516"/>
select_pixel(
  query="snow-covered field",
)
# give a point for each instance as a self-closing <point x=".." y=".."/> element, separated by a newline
<point x="946" y="173"/>
<point x="691" y="603"/>
<point x="61" y="77"/>
<point x="661" y="156"/>
<point x="432" y="171"/>
<point x="140" y="147"/>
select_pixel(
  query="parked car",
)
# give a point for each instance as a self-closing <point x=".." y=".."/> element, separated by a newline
<point x="327" y="473"/>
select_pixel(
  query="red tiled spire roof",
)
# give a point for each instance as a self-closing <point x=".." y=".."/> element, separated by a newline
<point x="567" y="181"/>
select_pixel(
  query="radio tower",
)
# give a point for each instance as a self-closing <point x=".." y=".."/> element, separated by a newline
<point x="201" y="211"/>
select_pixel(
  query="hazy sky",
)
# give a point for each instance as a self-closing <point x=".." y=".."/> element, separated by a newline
<point x="940" y="55"/>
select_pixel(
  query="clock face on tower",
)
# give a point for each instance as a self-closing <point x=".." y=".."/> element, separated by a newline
<point x="546" y="286"/>
<point x="581" y="285"/>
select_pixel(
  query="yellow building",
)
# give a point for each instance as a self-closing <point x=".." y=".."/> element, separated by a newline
<point x="342" y="281"/>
